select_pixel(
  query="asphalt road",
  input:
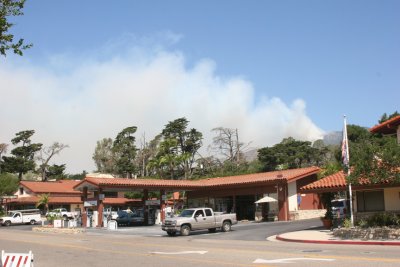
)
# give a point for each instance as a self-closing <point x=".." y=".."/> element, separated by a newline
<point x="148" y="246"/>
<point x="250" y="231"/>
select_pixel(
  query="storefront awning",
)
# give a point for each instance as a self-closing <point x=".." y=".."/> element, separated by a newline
<point x="266" y="200"/>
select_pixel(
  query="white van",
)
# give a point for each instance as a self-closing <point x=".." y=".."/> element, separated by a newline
<point x="340" y="207"/>
<point x="31" y="216"/>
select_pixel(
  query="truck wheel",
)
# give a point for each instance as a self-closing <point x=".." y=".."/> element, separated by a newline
<point x="32" y="222"/>
<point x="171" y="233"/>
<point x="212" y="230"/>
<point x="226" y="226"/>
<point x="7" y="223"/>
<point x="185" y="230"/>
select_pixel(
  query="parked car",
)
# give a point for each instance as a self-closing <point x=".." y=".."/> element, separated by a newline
<point x="340" y="207"/>
<point x="62" y="212"/>
<point x="198" y="219"/>
<point x="31" y="216"/>
<point x="130" y="218"/>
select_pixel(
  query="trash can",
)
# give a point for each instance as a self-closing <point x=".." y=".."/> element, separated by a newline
<point x="112" y="225"/>
<point x="57" y="223"/>
<point x="72" y="224"/>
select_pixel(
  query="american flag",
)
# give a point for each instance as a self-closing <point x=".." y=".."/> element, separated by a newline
<point x="345" y="146"/>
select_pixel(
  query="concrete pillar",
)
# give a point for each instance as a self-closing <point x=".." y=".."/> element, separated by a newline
<point x="145" y="210"/>
<point x="100" y="208"/>
<point x="84" y="213"/>
<point x="283" y="205"/>
<point x="234" y="203"/>
<point x="162" y="204"/>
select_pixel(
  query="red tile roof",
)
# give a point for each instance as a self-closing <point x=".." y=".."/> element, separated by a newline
<point x="387" y="127"/>
<point x="257" y="178"/>
<point x="337" y="182"/>
<point x="272" y="177"/>
<point x="69" y="200"/>
<point x="62" y="186"/>
<point x="52" y="200"/>
<point x="139" y="183"/>
<point x="119" y="201"/>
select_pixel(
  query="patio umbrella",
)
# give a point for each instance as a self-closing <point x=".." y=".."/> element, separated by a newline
<point x="266" y="199"/>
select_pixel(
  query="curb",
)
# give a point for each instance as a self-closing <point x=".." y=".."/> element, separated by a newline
<point x="58" y="230"/>
<point x="381" y="243"/>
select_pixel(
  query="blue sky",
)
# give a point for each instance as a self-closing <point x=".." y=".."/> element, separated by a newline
<point x="269" y="68"/>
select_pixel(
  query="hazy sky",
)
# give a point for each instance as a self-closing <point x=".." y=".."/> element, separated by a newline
<point x="272" y="69"/>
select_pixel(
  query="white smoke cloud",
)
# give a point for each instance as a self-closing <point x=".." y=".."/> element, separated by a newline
<point x="79" y="100"/>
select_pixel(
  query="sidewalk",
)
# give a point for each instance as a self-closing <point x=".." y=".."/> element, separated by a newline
<point x="320" y="236"/>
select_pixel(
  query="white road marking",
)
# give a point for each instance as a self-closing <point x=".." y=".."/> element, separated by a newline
<point x="290" y="260"/>
<point x="180" y="252"/>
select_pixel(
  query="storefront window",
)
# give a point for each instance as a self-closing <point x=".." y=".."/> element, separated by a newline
<point x="370" y="201"/>
<point x="198" y="202"/>
<point x="223" y="204"/>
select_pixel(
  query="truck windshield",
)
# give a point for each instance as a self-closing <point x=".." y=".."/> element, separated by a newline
<point x="186" y="213"/>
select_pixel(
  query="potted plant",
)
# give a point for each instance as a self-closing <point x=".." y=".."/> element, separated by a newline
<point x="328" y="217"/>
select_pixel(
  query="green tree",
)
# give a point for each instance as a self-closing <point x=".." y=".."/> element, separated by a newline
<point x="166" y="161"/>
<point x="8" y="184"/>
<point x="290" y="154"/>
<point x="56" y="172"/>
<point x="188" y="142"/>
<point x="10" y="8"/>
<point x="22" y="160"/>
<point x="79" y="176"/>
<point x="373" y="156"/>
<point x="3" y="150"/>
<point x="168" y="157"/>
<point x="385" y="117"/>
<point x="43" y="202"/>
<point x="104" y="157"/>
<point x="125" y="152"/>
<point x="330" y="168"/>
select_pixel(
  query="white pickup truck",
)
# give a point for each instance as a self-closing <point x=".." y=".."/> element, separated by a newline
<point x="21" y="217"/>
<point x="198" y="219"/>
<point x="62" y="212"/>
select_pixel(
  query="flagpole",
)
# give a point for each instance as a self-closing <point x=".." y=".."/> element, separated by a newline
<point x="351" y="202"/>
<point x="346" y="161"/>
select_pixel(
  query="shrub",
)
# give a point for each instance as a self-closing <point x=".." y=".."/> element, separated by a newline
<point x="383" y="219"/>
<point x="51" y="218"/>
<point x="362" y="223"/>
<point x="347" y="223"/>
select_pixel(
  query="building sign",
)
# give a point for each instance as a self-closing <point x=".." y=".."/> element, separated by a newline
<point x="152" y="202"/>
<point x="90" y="203"/>
<point x="9" y="197"/>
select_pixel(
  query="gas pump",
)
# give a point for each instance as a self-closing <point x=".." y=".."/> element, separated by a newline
<point x="89" y="213"/>
<point x="106" y="216"/>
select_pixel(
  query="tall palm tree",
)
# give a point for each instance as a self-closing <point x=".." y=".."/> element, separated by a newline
<point x="43" y="202"/>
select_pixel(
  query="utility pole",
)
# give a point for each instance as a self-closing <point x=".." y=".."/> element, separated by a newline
<point x="143" y="155"/>
<point x="237" y="147"/>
